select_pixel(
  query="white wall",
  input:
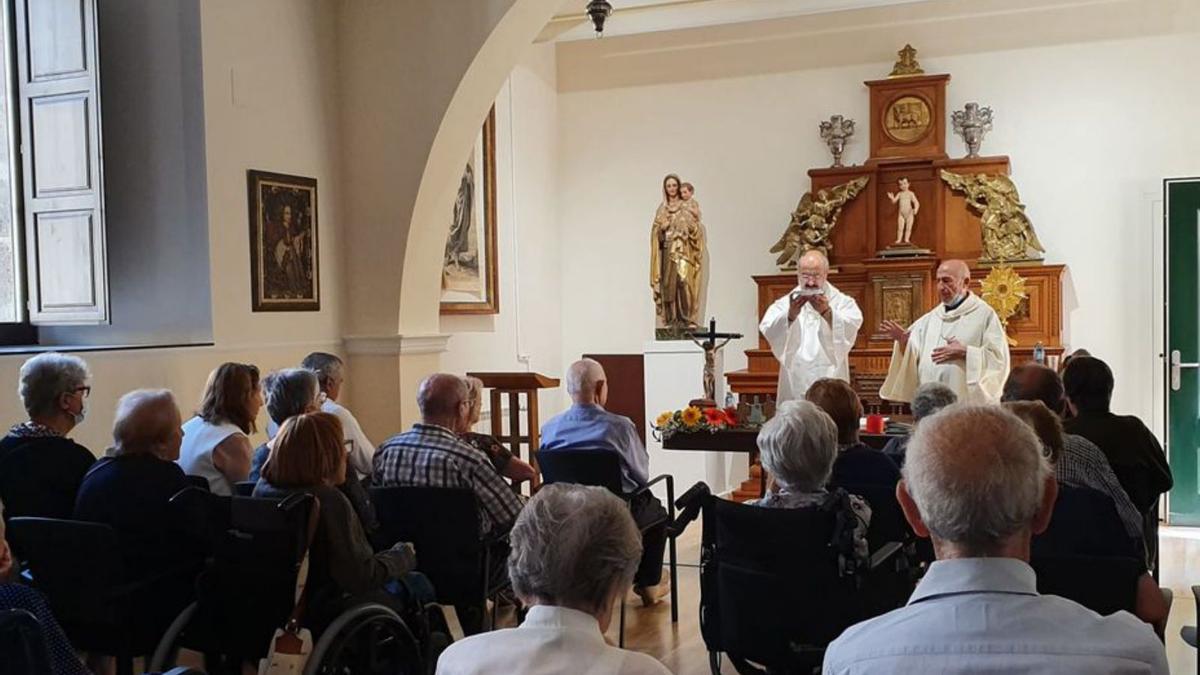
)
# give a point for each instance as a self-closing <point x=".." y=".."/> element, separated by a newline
<point x="1091" y="129"/>
<point x="270" y="95"/>
<point x="527" y="333"/>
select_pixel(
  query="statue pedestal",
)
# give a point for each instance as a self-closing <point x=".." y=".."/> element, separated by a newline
<point x="674" y="376"/>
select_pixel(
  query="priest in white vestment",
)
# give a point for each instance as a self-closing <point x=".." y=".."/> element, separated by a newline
<point x="811" y="330"/>
<point x="960" y="343"/>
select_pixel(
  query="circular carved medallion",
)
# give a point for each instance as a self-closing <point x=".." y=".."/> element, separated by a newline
<point x="907" y="119"/>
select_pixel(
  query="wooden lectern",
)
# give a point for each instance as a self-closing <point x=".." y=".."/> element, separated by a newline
<point x="514" y="385"/>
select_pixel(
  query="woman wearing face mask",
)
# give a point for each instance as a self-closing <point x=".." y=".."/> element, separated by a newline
<point x="40" y="468"/>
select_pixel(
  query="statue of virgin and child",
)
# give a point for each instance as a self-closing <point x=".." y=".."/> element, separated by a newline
<point x="677" y="260"/>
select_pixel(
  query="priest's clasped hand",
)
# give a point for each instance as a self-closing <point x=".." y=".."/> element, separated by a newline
<point x="819" y="303"/>
<point x="953" y="351"/>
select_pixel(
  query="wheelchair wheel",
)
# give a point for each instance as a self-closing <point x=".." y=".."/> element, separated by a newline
<point x="365" y="640"/>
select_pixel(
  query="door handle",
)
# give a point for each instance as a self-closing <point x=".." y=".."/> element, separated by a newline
<point x="1177" y="366"/>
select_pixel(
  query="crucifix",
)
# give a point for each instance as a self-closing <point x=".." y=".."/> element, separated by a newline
<point x="708" y="342"/>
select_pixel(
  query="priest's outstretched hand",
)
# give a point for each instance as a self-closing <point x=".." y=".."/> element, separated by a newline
<point x="953" y="351"/>
<point x="896" y="332"/>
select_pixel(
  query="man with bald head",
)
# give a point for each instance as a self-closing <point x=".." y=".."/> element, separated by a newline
<point x="977" y="483"/>
<point x="586" y="425"/>
<point x="811" y="329"/>
<point x="960" y="343"/>
<point x="431" y="454"/>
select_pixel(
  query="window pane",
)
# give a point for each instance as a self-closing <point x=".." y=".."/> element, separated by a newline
<point x="11" y="296"/>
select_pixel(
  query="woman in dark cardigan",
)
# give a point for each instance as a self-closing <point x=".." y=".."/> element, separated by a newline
<point x="40" y="468"/>
<point x="307" y="456"/>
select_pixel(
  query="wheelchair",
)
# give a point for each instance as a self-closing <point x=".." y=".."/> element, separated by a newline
<point x="247" y="591"/>
<point x="776" y="586"/>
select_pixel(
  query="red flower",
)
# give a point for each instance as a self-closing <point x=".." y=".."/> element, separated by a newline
<point x="731" y="416"/>
<point x="715" y="417"/>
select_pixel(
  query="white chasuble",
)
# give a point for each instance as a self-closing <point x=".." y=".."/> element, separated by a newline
<point x="811" y="348"/>
<point x="979" y="378"/>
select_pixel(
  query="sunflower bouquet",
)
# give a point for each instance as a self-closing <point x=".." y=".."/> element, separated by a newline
<point x="692" y="419"/>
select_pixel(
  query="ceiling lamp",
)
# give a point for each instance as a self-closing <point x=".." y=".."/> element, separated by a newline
<point x="599" y="10"/>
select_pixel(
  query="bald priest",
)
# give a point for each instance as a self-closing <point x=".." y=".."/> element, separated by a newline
<point x="960" y="343"/>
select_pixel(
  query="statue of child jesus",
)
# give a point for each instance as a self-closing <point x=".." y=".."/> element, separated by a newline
<point x="909" y="206"/>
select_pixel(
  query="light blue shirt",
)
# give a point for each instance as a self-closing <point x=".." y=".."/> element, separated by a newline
<point x="976" y="615"/>
<point x="590" y="427"/>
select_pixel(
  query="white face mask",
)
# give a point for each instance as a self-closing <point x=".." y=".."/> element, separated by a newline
<point x="82" y="414"/>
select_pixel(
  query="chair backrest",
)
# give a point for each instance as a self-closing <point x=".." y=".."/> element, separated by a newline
<point x="1102" y="584"/>
<point x="443" y="525"/>
<point x="247" y="590"/>
<point x="244" y="488"/>
<point x="770" y="587"/>
<point x="197" y="481"/>
<point x="23" y="644"/>
<point x="590" y="466"/>
<point x="77" y="565"/>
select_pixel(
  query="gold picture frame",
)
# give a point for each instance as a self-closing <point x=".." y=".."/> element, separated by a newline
<point x="470" y="268"/>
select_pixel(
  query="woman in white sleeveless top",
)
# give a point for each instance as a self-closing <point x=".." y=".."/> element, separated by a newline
<point x="216" y="443"/>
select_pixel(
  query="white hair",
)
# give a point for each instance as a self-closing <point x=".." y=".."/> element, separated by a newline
<point x="143" y="419"/>
<point x="572" y="546"/>
<point x="798" y="446"/>
<point x="930" y="398"/>
<point x="977" y="475"/>
<point x="290" y="392"/>
<point x="583" y="375"/>
<point x="47" y="376"/>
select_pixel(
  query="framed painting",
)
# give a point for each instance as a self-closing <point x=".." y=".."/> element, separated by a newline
<point x="284" y="260"/>
<point x="469" y="265"/>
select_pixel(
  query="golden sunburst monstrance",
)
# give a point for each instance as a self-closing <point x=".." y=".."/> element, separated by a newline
<point x="1003" y="290"/>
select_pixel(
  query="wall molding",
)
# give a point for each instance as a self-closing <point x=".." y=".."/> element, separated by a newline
<point x="432" y="343"/>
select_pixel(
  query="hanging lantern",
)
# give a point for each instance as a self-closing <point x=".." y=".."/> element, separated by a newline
<point x="599" y="10"/>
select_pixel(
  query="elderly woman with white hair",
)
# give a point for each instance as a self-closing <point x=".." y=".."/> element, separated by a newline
<point x="929" y="398"/>
<point x="574" y="553"/>
<point x="797" y="447"/>
<point x="40" y="468"/>
<point x="508" y="465"/>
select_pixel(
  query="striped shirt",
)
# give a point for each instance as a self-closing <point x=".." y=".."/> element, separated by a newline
<point x="432" y="456"/>
<point x="1083" y="464"/>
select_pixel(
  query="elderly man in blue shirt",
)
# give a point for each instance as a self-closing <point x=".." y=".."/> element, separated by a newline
<point x="976" y="482"/>
<point x="586" y="425"/>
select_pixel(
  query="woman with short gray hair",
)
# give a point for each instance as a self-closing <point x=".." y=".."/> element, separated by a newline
<point x="574" y="553"/>
<point x="40" y="468"/>
<point x="928" y="400"/>
<point x="797" y="448"/>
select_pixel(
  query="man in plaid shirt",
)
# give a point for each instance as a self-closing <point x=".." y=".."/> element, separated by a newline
<point x="1081" y="463"/>
<point x="432" y="455"/>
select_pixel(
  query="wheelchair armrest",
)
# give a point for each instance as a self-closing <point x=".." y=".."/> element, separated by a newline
<point x="883" y="553"/>
<point x="670" y="480"/>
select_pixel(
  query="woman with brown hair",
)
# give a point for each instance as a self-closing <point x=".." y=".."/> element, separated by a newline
<point x="308" y="457"/>
<point x="856" y="463"/>
<point x="216" y="442"/>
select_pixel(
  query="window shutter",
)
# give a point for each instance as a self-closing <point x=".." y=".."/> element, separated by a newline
<point x="58" y="94"/>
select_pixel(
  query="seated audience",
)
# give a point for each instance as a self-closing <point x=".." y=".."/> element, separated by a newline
<point x="1067" y="359"/>
<point x="977" y="483"/>
<point x="63" y="660"/>
<point x="40" y="468"/>
<point x="1081" y="463"/>
<point x="586" y="425"/>
<point x="1085" y="522"/>
<point x="513" y="468"/>
<point x="1134" y="453"/>
<point x="130" y="490"/>
<point x="331" y="372"/>
<point x="856" y="463"/>
<point x="928" y="399"/>
<point x="308" y="457"/>
<point x="432" y="455"/>
<point x="574" y="552"/>
<point x="216" y="442"/>
<point x="294" y="391"/>
<point x="797" y="447"/>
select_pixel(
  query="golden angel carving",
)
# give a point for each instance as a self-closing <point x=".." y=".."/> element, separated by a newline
<point x="813" y="221"/>
<point x="1006" y="231"/>
<point x="676" y="260"/>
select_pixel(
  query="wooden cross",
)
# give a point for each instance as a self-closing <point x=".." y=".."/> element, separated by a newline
<point x="708" y="342"/>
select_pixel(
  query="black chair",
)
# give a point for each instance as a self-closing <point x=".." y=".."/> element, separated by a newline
<point x="22" y="644"/>
<point x="443" y="525"/>
<point x="772" y="588"/>
<point x="244" y="488"/>
<point x="1189" y="633"/>
<point x="602" y="468"/>
<point x="77" y="565"/>
<point x="1102" y="584"/>
<point x="197" y="481"/>
<point x="247" y="591"/>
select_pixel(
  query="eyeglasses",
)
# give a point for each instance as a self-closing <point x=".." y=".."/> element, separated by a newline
<point x="87" y="391"/>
